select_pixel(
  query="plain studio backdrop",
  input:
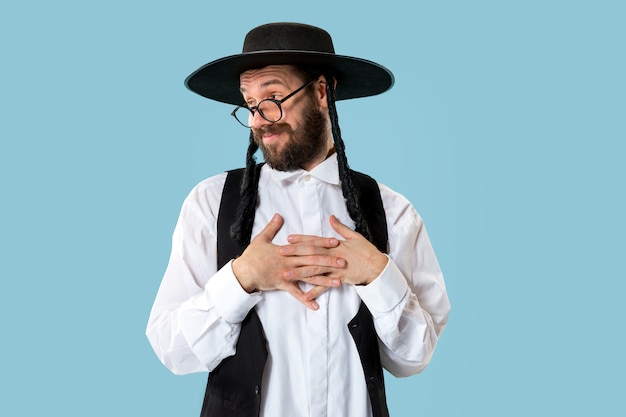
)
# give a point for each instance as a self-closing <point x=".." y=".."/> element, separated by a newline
<point x="505" y="128"/>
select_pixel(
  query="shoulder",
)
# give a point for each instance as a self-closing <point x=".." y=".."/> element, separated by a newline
<point x="208" y="193"/>
<point x="210" y="188"/>
<point x="203" y="201"/>
<point x="399" y="211"/>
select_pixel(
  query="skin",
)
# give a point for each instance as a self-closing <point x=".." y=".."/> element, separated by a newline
<point x="321" y="261"/>
<point x="277" y="82"/>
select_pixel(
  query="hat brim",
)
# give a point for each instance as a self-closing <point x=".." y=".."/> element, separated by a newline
<point x="356" y="77"/>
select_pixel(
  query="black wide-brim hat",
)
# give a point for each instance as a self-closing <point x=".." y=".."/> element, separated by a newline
<point x="289" y="44"/>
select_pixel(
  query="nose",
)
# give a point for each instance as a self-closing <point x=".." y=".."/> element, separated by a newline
<point x="257" y="121"/>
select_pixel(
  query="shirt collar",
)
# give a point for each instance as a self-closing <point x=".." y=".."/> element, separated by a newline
<point x="327" y="171"/>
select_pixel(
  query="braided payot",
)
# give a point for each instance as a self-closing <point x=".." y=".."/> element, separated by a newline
<point x="350" y="193"/>
<point x="241" y="230"/>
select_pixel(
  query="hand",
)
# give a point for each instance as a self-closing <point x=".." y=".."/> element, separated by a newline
<point x="263" y="267"/>
<point x="362" y="261"/>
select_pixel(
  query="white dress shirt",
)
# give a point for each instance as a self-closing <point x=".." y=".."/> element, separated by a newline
<point x="313" y="367"/>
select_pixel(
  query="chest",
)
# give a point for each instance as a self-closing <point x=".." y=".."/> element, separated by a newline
<point x="306" y="204"/>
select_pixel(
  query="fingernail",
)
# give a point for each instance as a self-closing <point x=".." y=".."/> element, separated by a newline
<point x="335" y="282"/>
<point x="314" y="305"/>
<point x="341" y="262"/>
<point x="290" y="238"/>
<point x="276" y="217"/>
<point x="333" y="242"/>
<point x="282" y="251"/>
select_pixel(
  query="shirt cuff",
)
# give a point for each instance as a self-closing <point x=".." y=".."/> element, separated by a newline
<point x="385" y="292"/>
<point x="231" y="301"/>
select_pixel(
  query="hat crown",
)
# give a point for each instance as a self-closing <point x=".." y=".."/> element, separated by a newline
<point x="288" y="37"/>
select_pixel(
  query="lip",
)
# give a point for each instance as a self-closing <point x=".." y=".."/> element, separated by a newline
<point x="271" y="137"/>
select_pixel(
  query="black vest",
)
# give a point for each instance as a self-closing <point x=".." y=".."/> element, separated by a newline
<point x="234" y="386"/>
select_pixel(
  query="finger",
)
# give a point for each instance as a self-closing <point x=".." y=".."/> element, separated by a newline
<point x="302" y="266"/>
<point x="307" y="300"/>
<point x="316" y="255"/>
<point x="341" y="228"/>
<point x="270" y="230"/>
<point x="322" y="242"/>
<point x="331" y="280"/>
<point x="315" y="292"/>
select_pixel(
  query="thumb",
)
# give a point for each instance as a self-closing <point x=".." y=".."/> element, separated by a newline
<point x="270" y="230"/>
<point x="341" y="228"/>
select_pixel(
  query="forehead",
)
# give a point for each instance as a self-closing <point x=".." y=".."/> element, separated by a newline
<point x="275" y="74"/>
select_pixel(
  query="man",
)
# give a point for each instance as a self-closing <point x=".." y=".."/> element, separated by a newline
<point x="322" y="277"/>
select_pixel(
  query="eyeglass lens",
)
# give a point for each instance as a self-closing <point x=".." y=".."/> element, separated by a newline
<point x="269" y="110"/>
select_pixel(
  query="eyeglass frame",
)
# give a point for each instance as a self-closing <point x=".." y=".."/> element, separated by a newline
<point x="278" y="103"/>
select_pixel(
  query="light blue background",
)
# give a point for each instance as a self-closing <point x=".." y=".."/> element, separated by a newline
<point x="505" y="128"/>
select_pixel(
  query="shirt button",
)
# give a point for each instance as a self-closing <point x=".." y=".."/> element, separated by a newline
<point x="307" y="177"/>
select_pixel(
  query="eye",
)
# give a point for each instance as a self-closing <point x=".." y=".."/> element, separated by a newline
<point x="276" y="96"/>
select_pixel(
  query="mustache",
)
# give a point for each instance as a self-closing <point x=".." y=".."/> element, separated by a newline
<point x="272" y="130"/>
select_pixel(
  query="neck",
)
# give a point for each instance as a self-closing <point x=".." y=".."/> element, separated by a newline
<point x="328" y="151"/>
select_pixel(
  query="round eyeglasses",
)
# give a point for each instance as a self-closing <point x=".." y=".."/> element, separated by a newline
<point x="269" y="109"/>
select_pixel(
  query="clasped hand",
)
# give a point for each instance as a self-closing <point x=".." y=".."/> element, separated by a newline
<point x="321" y="261"/>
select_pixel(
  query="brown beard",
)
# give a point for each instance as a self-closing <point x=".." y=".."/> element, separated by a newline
<point x="306" y="142"/>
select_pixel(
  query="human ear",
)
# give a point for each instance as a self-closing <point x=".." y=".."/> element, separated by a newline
<point x="320" y="92"/>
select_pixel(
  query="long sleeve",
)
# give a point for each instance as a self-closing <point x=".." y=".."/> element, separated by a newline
<point x="408" y="301"/>
<point x="195" y="319"/>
